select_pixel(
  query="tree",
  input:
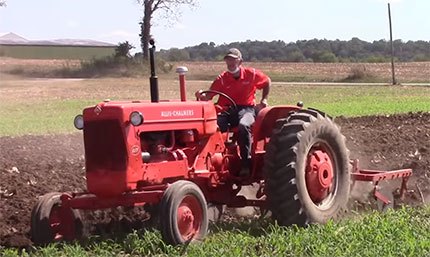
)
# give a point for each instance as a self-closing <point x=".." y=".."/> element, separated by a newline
<point x="325" y="56"/>
<point x="2" y="3"/>
<point x="123" y="50"/>
<point x="171" y="11"/>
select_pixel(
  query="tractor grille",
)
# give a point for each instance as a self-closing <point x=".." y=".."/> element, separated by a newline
<point x="104" y="146"/>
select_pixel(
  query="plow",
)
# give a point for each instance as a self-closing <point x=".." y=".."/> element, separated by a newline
<point x="376" y="176"/>
<point x="170" y="157"/>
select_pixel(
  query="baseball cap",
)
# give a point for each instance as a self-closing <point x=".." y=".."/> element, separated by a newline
<point x="234" y="52"/>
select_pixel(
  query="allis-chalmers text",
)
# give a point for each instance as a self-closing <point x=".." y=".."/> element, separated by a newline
<point x="178" y="113"/>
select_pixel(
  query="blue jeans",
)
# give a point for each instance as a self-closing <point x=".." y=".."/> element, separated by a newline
<point x="243" y="118"/>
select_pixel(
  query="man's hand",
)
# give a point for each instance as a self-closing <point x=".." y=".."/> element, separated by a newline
<point x="200" y="96"/>
<point x="263" y="103"/>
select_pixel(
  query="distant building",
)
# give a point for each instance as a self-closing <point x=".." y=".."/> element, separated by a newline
<point x="12" y="45"/>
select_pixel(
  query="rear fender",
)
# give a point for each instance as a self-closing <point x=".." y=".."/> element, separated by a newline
<point x="266" y="119"/>
<point x="261" y="132"/>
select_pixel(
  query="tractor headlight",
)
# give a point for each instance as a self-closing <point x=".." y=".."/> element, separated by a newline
<point x="136" y="118"/>
<point x="79" y="121"/>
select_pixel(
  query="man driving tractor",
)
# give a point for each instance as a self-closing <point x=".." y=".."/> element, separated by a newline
<point x="240" y="84"/>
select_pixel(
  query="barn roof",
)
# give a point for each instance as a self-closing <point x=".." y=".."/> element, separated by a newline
<point x="14" y="39"/>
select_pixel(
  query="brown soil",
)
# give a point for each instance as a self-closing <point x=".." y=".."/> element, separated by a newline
<point x="31" y="166"/>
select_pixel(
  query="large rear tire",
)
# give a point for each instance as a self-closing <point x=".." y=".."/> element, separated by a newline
<point x="183" y="213"/>
<point x="307" y="169"/>
<point x="50" y="222"/>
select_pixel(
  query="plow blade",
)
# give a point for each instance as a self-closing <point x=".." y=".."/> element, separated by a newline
<point x="376" y="176"/>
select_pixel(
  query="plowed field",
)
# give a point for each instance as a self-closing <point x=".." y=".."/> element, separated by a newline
<point x="33" y="165"/>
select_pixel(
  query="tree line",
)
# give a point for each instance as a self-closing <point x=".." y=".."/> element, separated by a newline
<point x="315" y="50"/>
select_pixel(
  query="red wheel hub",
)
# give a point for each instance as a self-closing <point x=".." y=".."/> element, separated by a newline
<point x="319" y="174"/>
<point x="55" y="222"/>
<point x="189" y="217"/>
<point x="61" y="223"/>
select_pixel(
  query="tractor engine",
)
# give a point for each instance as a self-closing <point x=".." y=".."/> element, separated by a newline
<point x="133" y="144"/>
<point x="158" y="146"/>
<point x="161" y="146"/>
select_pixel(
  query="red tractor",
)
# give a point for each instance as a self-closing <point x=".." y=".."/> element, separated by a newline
<point x="171" y="154"/>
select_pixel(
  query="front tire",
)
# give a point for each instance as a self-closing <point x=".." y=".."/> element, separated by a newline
<point x="50" y="222"/>
<point x="183" y="213"/>
<point x="307" y="169"/>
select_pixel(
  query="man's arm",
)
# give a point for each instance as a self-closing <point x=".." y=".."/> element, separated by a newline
<point x="265" y="94"/>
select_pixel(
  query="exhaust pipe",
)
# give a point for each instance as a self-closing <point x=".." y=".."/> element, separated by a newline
<point x="153" y="80"/>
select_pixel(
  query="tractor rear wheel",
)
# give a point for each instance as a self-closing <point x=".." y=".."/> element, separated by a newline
<point x="183" y="213"/>
<point x="51" y="222"/>
<point x="307" y="169"/>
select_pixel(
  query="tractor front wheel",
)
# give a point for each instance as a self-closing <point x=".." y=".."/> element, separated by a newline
<point x="50" y="222"/>
<point x="183" y="213"/>
<point x="306" y="169"/>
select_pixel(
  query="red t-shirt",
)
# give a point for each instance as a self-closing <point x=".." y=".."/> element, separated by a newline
<point x="242" y="90"/>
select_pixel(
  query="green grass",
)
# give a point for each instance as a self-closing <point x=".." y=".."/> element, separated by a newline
<point x="48" y="117"/>
<point x="404" y="232"/>
<point x="352" y="101"/>
<point x="54" y="114"/>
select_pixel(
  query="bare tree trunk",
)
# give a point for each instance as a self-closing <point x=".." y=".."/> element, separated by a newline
<point x="145" y="29"/>
<point x="150" y="6"/>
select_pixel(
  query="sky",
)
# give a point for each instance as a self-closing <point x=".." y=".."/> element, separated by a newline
<point x="218" y="21"/>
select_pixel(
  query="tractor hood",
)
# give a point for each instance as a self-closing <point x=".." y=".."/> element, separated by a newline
<point x="164" y="115"/>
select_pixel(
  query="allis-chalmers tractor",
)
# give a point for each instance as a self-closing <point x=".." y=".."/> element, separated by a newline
<point x="170" y="154"/>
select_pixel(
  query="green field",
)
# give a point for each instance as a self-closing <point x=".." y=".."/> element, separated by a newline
<point x="403" y="232"/>
<point x="49" y="106"/>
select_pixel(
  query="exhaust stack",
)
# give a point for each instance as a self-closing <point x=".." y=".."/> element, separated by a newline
<point x="153" y="80"/>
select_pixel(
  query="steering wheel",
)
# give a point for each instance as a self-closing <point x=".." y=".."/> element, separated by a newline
<point x="232" y="107"/>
